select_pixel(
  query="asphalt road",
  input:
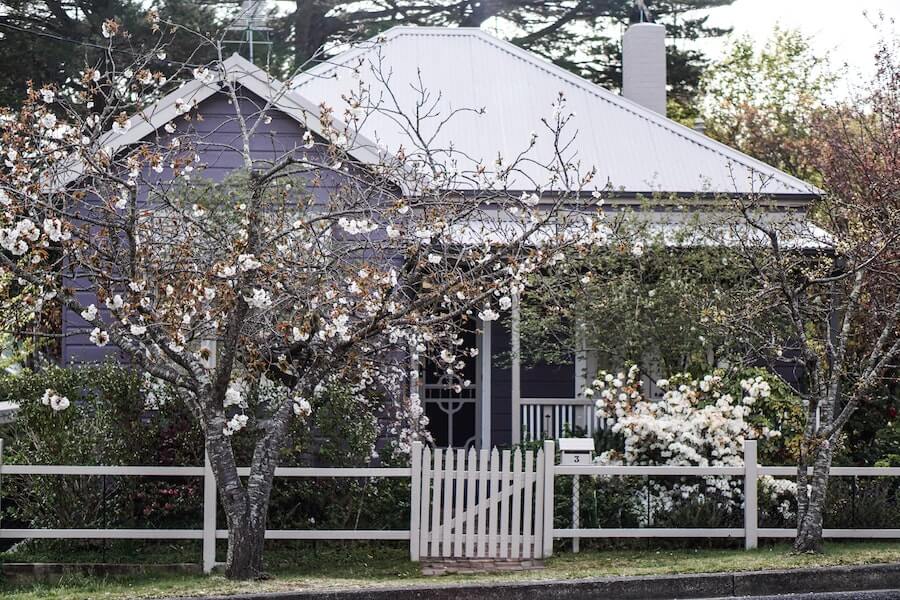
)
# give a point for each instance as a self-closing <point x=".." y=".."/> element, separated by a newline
<point x="873" y="595"/>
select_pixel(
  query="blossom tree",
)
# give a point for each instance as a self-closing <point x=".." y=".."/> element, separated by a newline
<point x="300" y="268"/>
<point x="827" y="293"/>
<point x="831" y="315"/>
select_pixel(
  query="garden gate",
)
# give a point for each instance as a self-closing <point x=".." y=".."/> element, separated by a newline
<point x="481" y="504"/>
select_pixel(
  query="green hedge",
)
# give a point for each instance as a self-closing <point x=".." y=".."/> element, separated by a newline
<point x="107" y="423"/>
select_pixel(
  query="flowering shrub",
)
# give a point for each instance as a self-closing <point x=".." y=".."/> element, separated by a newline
<point x="92" y="415"/>
<point x="697" y="422"/>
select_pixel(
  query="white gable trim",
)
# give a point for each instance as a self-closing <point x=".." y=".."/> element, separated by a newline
<point x="239" y="71"/>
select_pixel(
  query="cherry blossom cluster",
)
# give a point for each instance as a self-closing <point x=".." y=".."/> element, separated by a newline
<point x="54" y="400"/>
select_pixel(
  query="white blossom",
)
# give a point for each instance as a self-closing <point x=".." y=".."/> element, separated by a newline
<point x="488" y="314"/>
<point x="234" y="395"/>
<point x="54" y="229"/>
<point x="115" y="303"/>
<point x="302" y="407"/>
<point x="260" y="299"/>
<point x="204" y="74"/>
<point x="54" y="400"/>
<point x="99" y="337"/>
<point x="121" y="127"/>
<point x="235" y="424"/>
<point x="89" y="313"/>
<point x="247" y="262"/>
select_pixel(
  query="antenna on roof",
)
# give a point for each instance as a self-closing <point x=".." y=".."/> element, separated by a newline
<point x="640" y="13"/>
<point x="253" y="18"/>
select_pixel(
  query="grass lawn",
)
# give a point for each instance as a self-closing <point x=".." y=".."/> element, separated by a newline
<point x="297" y="566"/>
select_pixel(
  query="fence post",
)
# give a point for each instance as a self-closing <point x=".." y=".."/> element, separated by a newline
<point x="576" y="511"/>
<point x="547" y="520"/>
<point x="1" y="482"/>
<point x="209" y="516"/>
<point x="751" y="479"/>
<point x="415" y="500"/>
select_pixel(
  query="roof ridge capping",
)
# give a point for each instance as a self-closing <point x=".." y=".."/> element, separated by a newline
<point x="732" y="155"/>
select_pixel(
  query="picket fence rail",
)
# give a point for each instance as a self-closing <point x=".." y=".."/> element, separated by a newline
<point x="208" y="533"/>
<point x="751" y="471"/>
<point x="529" y="499"/>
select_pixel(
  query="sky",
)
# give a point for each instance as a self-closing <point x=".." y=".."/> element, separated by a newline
<point x="839" y="28"/>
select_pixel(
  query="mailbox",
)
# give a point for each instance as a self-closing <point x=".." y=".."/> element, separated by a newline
<point x="576" y="451"/>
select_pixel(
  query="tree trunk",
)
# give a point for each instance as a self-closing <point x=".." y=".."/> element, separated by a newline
<point x="246" y="504"/>
<point x="246" y="539"/>
<point x="811" y="510"/>
<point x="245" y="513"/>
<point x="312" y="27"/>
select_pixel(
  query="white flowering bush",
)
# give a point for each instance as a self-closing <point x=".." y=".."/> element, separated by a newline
<point x="697" y="422"/>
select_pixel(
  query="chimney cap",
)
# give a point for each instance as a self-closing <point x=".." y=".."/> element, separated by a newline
<point x="640" y="13"/>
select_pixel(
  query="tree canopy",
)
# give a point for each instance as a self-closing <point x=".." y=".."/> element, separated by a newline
<point x="765" y="101"/>
<point x="51" y="40"/>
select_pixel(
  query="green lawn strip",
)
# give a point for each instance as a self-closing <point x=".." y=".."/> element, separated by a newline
<point x="296" y="568"/>
<point x="119" y="551"/>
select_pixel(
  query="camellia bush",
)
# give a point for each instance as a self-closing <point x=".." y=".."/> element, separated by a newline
<point x="698" y="422"/>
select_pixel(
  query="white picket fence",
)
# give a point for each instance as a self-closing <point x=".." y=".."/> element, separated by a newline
<point x="751" y="471"/>
<point x="463" y="504"/>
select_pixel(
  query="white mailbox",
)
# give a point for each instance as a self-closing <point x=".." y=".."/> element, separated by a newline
<point x="576" y="451"/>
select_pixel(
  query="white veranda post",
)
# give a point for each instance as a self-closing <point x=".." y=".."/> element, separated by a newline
<point x="484" y="392"/>
<point x="516" y="370"/>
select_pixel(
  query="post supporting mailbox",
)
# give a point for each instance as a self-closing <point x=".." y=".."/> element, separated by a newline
<point x="576" y="451"/>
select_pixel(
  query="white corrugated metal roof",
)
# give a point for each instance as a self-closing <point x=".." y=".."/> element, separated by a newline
<point x="633" y="149"/>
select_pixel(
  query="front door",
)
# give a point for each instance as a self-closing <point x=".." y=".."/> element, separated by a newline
<point x="451" y="405"/>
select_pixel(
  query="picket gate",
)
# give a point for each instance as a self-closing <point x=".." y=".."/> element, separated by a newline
<point x="479" y="503"/>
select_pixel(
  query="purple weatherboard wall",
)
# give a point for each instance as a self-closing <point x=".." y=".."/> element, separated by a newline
<point x="219" y="133"/>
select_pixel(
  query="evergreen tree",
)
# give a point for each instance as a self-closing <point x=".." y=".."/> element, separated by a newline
<point x="583" y="36"/>
<point x="50" y="40"/>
